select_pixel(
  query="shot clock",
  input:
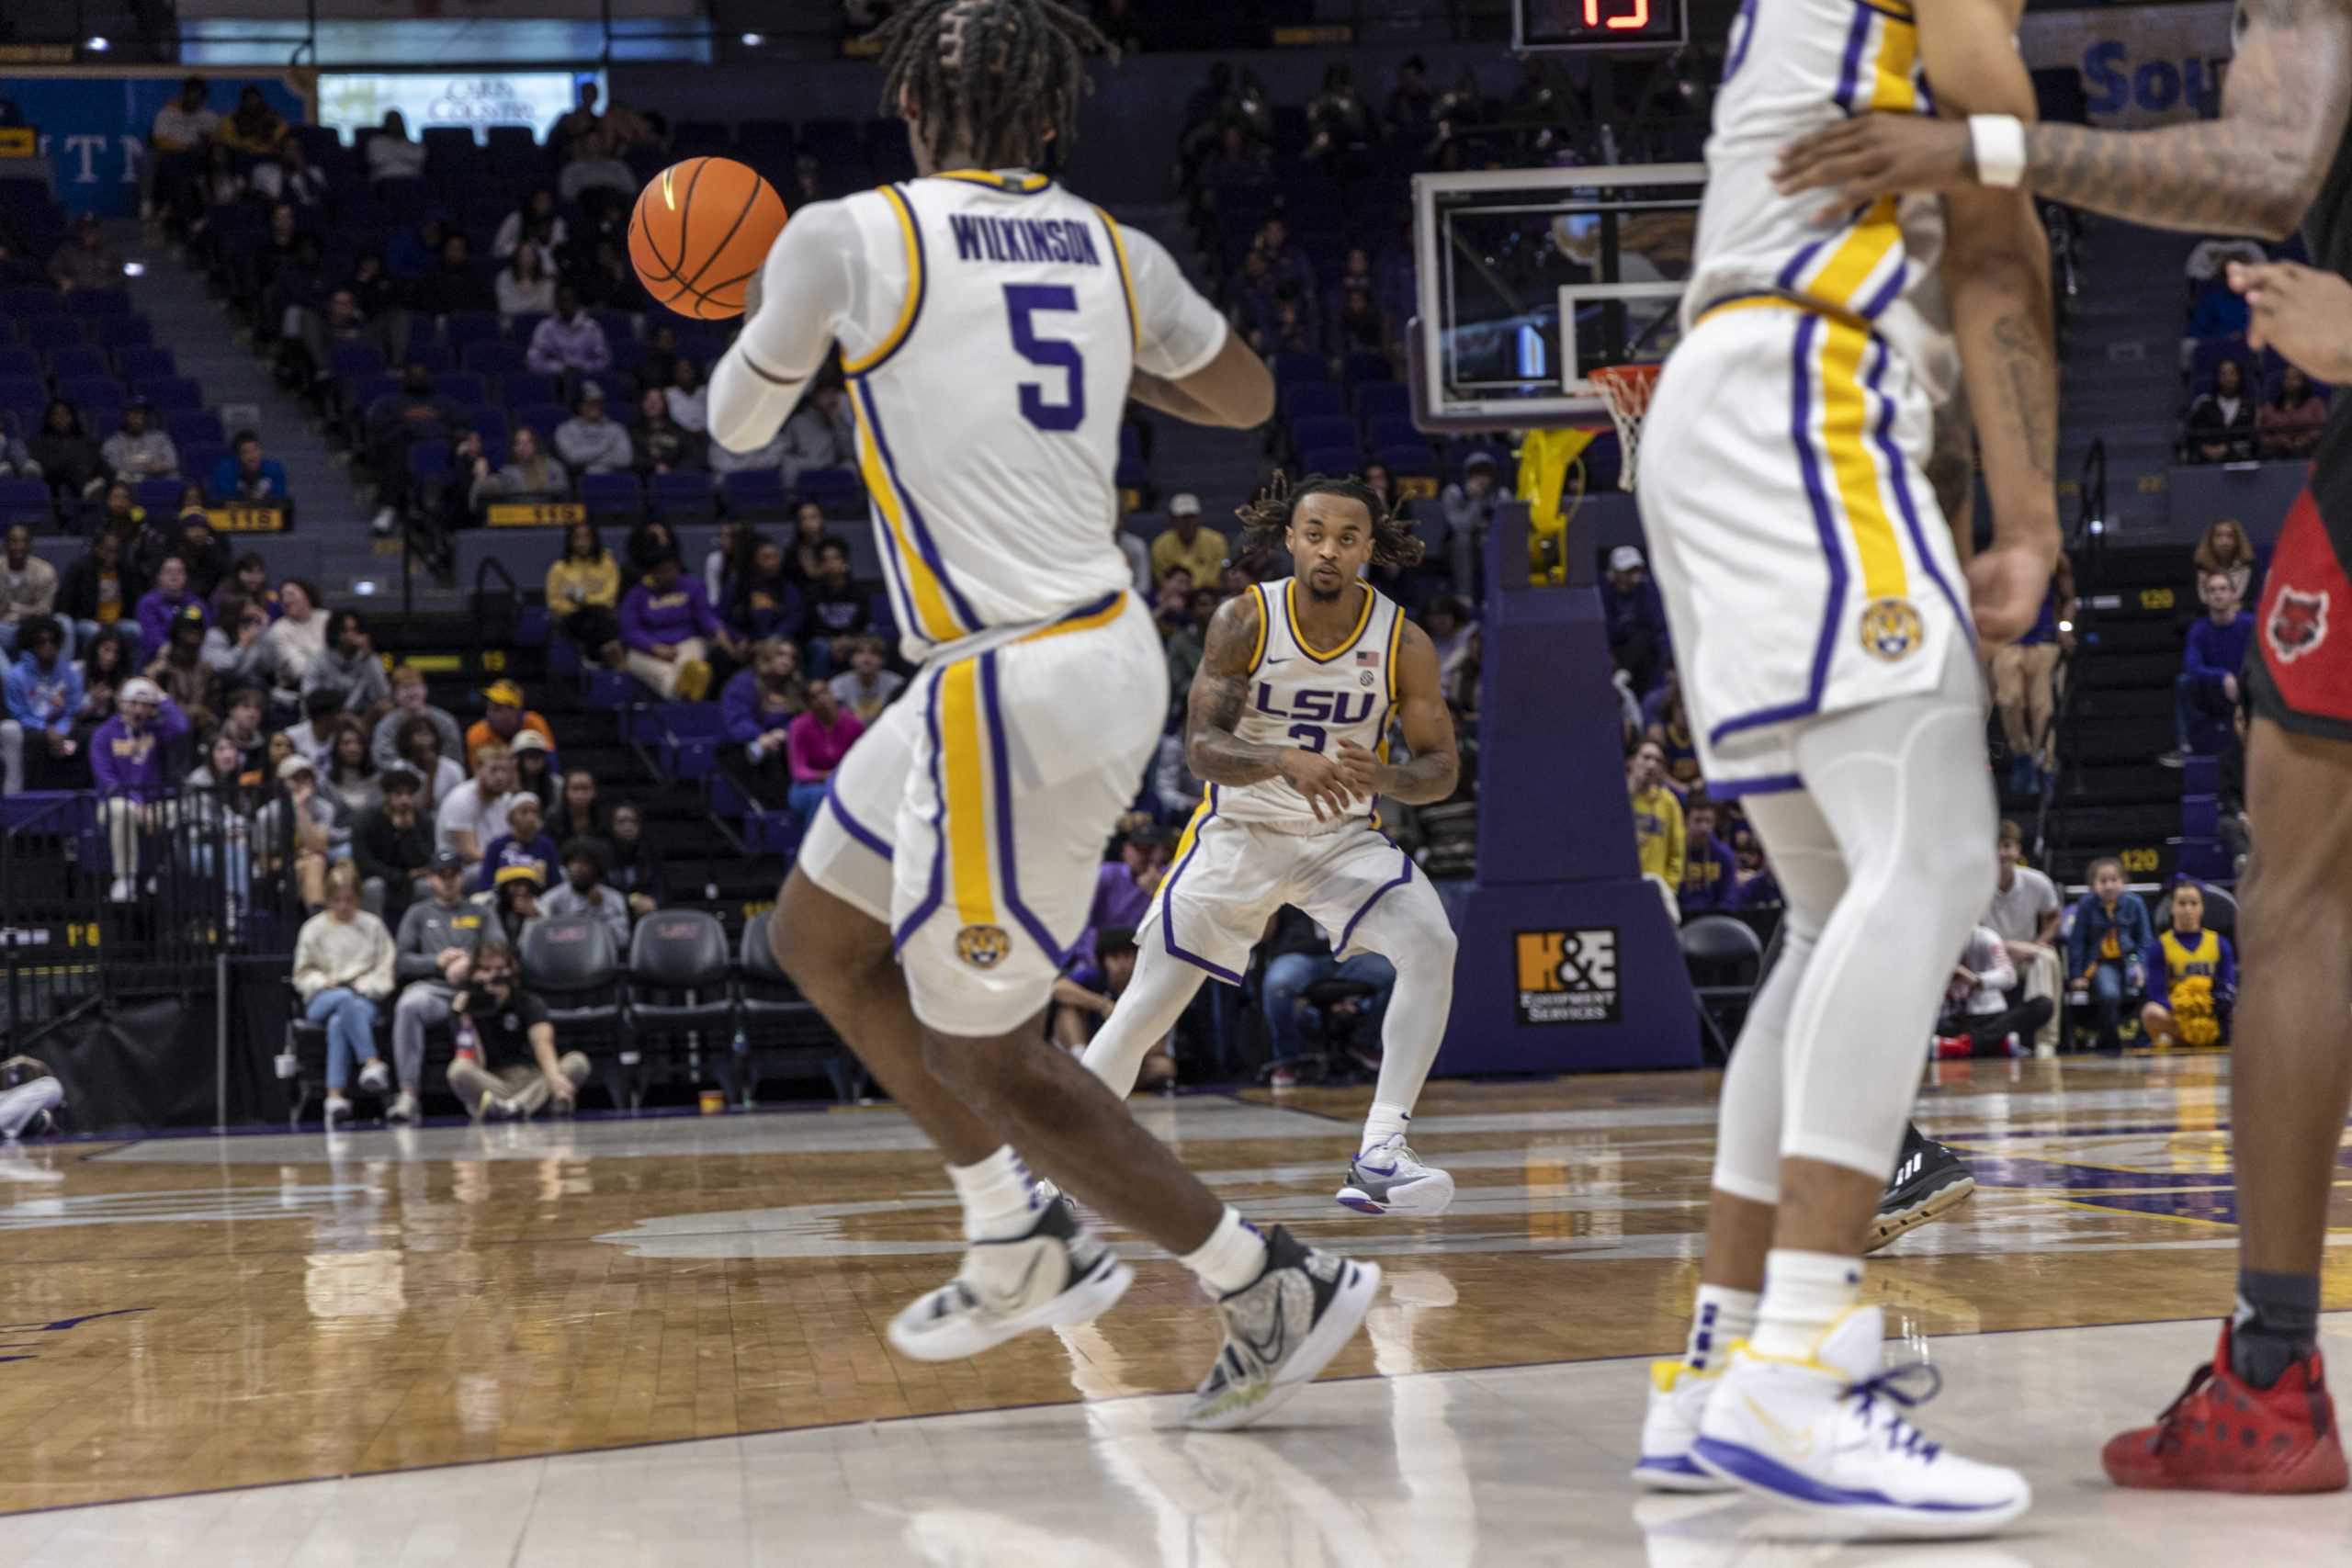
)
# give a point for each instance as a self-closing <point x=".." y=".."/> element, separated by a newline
<point x="1570" y="24"/>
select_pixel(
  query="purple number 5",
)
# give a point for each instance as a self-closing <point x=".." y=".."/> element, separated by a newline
<point x="1023" y="301"/>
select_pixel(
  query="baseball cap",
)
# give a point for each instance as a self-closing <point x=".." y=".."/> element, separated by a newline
<point x="527" y="740"/>
<point x="1624" y="557"/>
<point x="504" y="692"/>
<point x="591" y="393"/>
<point x="139" y="689"/>
<point x="447" y="860"/>
<point x="1184" y="505"/>
<point x="298" y="764"/>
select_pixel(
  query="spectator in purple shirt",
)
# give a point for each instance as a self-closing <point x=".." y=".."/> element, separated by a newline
<point x="757" y="710"/>
<point x="1122" y="888"/>
<point x="2206" y="693"/>
<point x="160" y="604"/>
<point x="668" y="629"/>
<point x="817" y="742"/>
<point x="570" y="341"/>
<point x="1708" y="869"/>
<point x="132" y="766"/>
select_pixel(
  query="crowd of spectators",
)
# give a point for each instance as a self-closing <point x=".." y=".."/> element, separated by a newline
<point x="2242" y="406"/>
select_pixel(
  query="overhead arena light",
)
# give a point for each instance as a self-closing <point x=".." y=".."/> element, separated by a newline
<point x="753" y="40"/>
<point x="97" y="45"/>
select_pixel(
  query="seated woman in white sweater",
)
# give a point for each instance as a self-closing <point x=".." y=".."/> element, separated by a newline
<point x="343" y="971"/>
<point x="293" y="640"/>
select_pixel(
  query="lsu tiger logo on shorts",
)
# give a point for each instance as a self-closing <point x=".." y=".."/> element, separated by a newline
<point x="1891" y="629"/>
<point x="983" y="947"/>
<point x="2297" y="623"/>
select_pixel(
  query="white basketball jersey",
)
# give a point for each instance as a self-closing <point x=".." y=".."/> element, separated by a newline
<point x="1314" y="697"/>
<point x="1792" y="67"/>
<point x="988" y="366"/>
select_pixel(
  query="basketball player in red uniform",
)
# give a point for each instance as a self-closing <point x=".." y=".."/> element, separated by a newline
<point x="2258" y="1418"/>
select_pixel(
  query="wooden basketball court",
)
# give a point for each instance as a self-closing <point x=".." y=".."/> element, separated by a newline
<point x="203" y="1315"/>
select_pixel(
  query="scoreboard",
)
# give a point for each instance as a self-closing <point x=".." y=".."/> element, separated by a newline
<point x="1570" y="24"/>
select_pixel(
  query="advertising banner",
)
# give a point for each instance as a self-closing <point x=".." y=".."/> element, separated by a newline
<point x="2141" y="64"/>
<point x="92" y="129"/>
<point x="353" y="101"/>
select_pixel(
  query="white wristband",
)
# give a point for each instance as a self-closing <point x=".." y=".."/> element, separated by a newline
<point x="1998" y="142"/>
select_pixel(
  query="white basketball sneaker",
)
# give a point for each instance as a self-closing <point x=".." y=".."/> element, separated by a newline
<point x="1389" y="1178"/>
<point x="1825" y="1433"/>
<point x="1679" y="1394"/>
<point x="1058" y="1274"/>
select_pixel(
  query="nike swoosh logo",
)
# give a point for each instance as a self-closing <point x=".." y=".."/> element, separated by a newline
<point x="1271" y="662"/>
<point x="1375" y="1170"/>
<point x="1788" y="1440"/>
<point x="1267" y="1352"/>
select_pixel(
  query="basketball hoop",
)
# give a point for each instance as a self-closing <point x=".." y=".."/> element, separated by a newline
<point x="1627" y="389"/>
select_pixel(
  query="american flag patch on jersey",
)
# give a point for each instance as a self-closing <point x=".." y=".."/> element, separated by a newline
<point x="1367" y="656"/>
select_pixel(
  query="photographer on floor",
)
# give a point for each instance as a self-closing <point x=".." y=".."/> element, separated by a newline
<point x="506" y="1064"/>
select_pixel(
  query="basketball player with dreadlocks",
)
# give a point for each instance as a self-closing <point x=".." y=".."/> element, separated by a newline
<point x="2258" y="1418"/>
<point x="1287" y="727"/>
<point x="993" y="326"/>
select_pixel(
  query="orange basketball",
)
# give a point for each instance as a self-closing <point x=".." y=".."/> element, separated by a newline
<point x="701" y="229"/>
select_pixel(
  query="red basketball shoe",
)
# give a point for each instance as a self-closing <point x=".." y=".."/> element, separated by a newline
<point x="2223" y="1435"/>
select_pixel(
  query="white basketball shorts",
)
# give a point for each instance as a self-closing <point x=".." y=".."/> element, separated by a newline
<point x="1229" y="878"/>
<point x="973" y="816"/>
<point x="1805" y="565"/>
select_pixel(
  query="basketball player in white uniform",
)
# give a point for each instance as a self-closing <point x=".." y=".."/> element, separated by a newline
<point x="993" y="326"/>
<point x="1287" y="725"/>
<point x="1822" y="614"/>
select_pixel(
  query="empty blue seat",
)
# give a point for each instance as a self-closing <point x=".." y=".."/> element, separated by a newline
<point x="462" y="387"/>
<point x="98" y="398"/>
<point x="835" y="490"/>
<point x="31" y="300"/>
<point x="463" y="327"/>
<point x="1391" y="430"/>
<point x="436" y="357"/>
<point x="364" y="392"/>
<point x="518" y="390"/>
<point x="1323" y="430"/>
<point x="541" y="417"/>
<point x="429" y="461"/>
<point x="684" y="497"/>
<point x="78" y="362"/>
<point x="48" y="333"/>
<point x="1311" y="399"/>
<point x="143" y="363"/>
<point x="200" y="456"/>
<point x="25" y="502"/>
<point x="619" y="326"/>
<point x="1363" y="367"/>
<point x="160" y="497"/>
<point x="172" y="394"/>
<point x="98" y="302"/>
<point x="612" y="498"/>
<point x="1290" y="369"/>
<point x="1381" y="399"/>
<point x="492" y="358"/>
<point x="122" y="332"/>
<point x="354" y="361"/>
<point x="490" y="424"/>
<point x="1332" y="461"/>
<point x="1410" y="461"/>
<point x="755" y="492"/>
<point x="194" y="425"/>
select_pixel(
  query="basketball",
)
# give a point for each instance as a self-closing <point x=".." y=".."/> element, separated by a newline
<point x="701" y="229"/>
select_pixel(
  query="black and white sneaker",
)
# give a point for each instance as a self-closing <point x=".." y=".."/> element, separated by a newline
<point x="1280" y="1330"/>
<point x="1059" y="1274"/>
<point x="1929" y="1182"/>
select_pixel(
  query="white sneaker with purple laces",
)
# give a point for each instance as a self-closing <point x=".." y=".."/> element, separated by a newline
<point x="1389" y="1178"/>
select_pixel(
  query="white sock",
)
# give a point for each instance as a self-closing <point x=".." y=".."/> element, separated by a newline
<point x="1804" y="1294"/>
<point x="1720" y="1316"/>
<point x="1385" y="1122"/>
<point x="1232" y="1257"/>
<point x="999" y="1200"/>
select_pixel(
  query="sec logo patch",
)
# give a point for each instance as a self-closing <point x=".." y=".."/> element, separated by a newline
<point x="983" y="947"/>
<point x="1891" y="629"/>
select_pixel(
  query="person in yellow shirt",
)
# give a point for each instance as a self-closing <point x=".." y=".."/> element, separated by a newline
<point x="1184" y="543"/>
<point x="584" y="589"/>
<point x="1657" y="815"/>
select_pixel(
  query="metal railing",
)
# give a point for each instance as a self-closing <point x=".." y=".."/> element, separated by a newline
<point x="104" y="898"/>
<point x="2085" y="549"/>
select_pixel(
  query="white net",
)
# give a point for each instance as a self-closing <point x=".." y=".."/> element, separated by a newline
<point x="1626" y="388"/>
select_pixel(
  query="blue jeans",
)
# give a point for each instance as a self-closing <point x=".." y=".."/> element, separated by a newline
<point x="2109" y="984"/>
<point x="350" y="1018"/>
<point x="1289" y="974"/>
<point x="806" y="799"/>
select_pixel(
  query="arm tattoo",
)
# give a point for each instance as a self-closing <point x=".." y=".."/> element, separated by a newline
<point x="2253" y="171"/>
<point x="1220" y="688"/>
<point x="2029" y="374"/>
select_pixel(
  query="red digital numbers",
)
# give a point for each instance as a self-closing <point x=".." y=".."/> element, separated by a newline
<point x="1632" y="20"/>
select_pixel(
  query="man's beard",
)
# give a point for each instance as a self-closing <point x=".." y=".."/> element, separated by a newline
<point x="1324" y="595"/>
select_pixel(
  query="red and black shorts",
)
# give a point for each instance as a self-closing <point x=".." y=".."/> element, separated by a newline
<point x="2303" y="681"/>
